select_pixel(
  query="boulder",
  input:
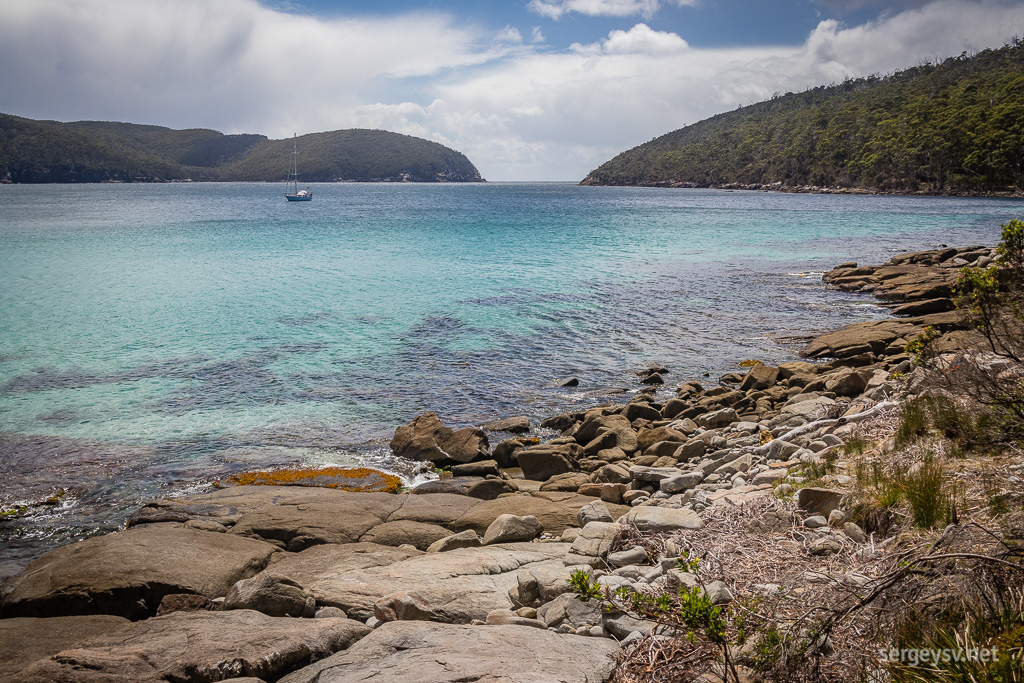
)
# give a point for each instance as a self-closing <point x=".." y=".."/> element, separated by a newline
<point x="596" y="511"/>
<point x="554" y="509"/>
<point x="516" y="425"/>
<point x="648" y="437"/>
<point x="569" y="481"/>
<point x="624" y="558"/>
<point x="198" y="647"/>
<point x="184" y="602"/>
<point x="454" y="486"/>
<point x="759" y="377"/>
<point x="681" y="482"/>
<point x="640" y="411"/>
<point x="593" y="543"/>
<point x="491" y="488"/>
<point x="505" y="452"/>
<point x="463" y="539"/>
<point x="422" y="652"/>
<point x="426" y="438"/>
<point x="540" y="463"/>
<point x="506" y="617"/>
<point x="569" y="609"/>
<point x="405" y="532"/>
<point x="460" y="585"/>
<point x="403" y="606"/>
<point x="27" y="639"/>
<point x="128" y="573"/>
<point x="512" y="529"/>
<point x="819" y="501"/>
<point x="691" y="450"/>
<point x="275" y="596"/>
<point x="658" y="519"/>
<point x="480" y="468"/>
<point x="718" y="418"/>
<point x="543" y="583"/>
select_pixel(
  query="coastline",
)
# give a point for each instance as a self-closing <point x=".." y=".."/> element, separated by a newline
<point x="672" y="466"/>
<point x="813" y="189"/>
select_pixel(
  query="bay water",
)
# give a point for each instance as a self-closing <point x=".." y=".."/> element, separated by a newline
<point x="156" y="338"/>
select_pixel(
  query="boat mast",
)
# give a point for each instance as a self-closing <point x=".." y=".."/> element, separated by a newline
<point x="295" y="164"/>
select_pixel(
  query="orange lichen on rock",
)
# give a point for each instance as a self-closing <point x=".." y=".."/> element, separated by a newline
<point x="358" y="479"/>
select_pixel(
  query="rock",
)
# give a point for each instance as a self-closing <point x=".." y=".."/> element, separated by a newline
<point x="640" y="411"/>
<point x="330" y="613"/>
<point x="405" y="532"/>
<point x="614" y="473"/>
<point x="613" y="493"/>
<point x="26" y="639"/>
<point x="275" y="596"/>
<point x="691" y="450"/>
<point x="555" y="510"/>
<point x="808" y="409"/>
<point x="184" y="602"/>
<point x="505" y="453"/>
<point x="622" y="625"/>
<point x="594" y="424"/>
<point x="489" y="489"/>
<point x="653" y="378"/>
<point x="623" y="558"/>
<point x="824" y="545"/>
<point x="420" y="652"/>
<point x="569" y="609"/>
<point x="403" y="606"/>
<point x="128" y="573"/>
<point x="718" y="418"/>
<point x="516" y="425"/>
<point x="570" y="481"/>
<point x="815" y="522"/>
<point x="658" y="519"/>
<point x="463" y="539"/>
<point x="512" y="529"/>
<point x="567" y="382"/>
<point x="769" y="476"/>
<point x="480" y="468"/>
<point x="848" y="384"/>
<point x="593" y="543"/>
<point x="630" y="497"/>
<point x="818" y="501"/>
<point x="855" y="533"/>
<point x="506" y="617"/>
<point x="718" y="593"/>
<point x="460" y="585"/>
<point x="456" y="486"/>
<point x="544" y="583"/>
<point x="681" y="482"/>
<point x="653" y="475"/>
<point x="426" y="438"/>
<point x="199" y="647"/>
<point x="540" y="463"/>
<point x="593" y="512"/>
<point x="647" y="438"/>
<point x="759" y="377"/>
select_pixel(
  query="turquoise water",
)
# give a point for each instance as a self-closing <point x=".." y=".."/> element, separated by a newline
<point x="156" y="337"/>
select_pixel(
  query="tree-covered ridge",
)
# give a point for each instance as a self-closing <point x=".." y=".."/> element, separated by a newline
<point x="957" y="126"/>
<point x="97" y="151"/>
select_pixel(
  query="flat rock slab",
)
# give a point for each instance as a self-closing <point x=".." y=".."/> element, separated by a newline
<point x="460" y="585"/>
<point x="555" y="510"/>
<point x="24" y="640"/>
<point x="423" y="652"/>
<point x="128" y="573"/>
<point x="199" y="647"/>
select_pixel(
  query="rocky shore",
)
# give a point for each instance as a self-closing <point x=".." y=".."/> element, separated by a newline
<point x="467" y="577"/>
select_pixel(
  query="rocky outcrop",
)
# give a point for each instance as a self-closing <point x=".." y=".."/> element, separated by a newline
<point x="419" y="652"/>
<point x="198" y="647"/>
<point x="128" y="573"/>
<point x="25" y="639"/>
<point x="426" y="438"/>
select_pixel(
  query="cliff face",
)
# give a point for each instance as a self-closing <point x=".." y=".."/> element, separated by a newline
<point x="97" y="151"/>
<point x="952" y="127"/>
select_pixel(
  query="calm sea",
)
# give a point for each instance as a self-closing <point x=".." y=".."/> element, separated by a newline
<point x="154" y="338"/>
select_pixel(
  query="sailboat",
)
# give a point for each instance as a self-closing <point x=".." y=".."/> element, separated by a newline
<point x="296" y="195"/>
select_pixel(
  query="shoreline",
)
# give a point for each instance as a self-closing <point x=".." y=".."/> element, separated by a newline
<point x="816" y="189"/>
<point x="369" y="566"/>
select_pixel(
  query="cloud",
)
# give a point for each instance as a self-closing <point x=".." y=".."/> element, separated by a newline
<point x="639" y="39"/>
<point x="509" y="34"/>
<point x="555" y="9"/>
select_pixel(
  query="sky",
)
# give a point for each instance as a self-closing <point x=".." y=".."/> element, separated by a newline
<point x="527" y="89"/>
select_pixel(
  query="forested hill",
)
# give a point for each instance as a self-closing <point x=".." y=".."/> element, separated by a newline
<point x="952" y="127"/>
<point x="96" y="151"/>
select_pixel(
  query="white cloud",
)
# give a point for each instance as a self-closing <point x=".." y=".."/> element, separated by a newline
<point x="555" y="9"/>
<point x="536" y="36"/>
<point x="509" y="34"/>
<point x="517" y="111"/>
<point x="639" y="39"/>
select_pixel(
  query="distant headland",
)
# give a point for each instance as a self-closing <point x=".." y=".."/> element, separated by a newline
<point x="101" y="151"/>
<point x="952" y="128"/>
